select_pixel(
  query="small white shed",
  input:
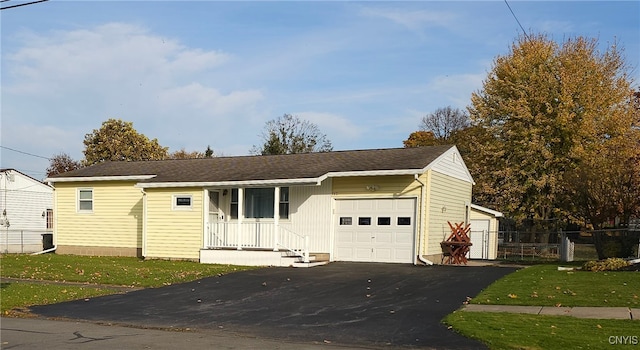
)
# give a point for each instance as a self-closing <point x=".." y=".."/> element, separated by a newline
<point x="26" y="212"/>
<point x="484" y="232"/>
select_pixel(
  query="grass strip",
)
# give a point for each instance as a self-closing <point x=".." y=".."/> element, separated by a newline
<point x="544" y="285"/>
<point x="120" y="271"/>
<point x="520" y="331"/>
<point x="25" y="294"/>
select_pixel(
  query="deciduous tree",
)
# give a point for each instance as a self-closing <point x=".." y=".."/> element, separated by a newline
<point x="420" y="139"/>
<point x="444" y="122"/>
<point x="289" y="134"/>
<point x="183" y="154"/>
<point x="117" y="140"/>
<point x="547" y="110"/>
<point x="62" y="163"/>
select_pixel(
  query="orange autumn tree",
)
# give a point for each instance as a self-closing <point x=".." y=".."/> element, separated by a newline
<point x="552" y="116"/>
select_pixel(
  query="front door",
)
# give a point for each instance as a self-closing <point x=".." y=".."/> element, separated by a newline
<point x="214" y="217"/>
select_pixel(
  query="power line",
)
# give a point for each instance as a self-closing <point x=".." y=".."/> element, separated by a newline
<point x="516" y="18"/>
<point x="23" y="152"/>
<point x="23" y="4"/>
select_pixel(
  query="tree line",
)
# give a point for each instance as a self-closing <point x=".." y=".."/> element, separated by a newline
<point x="118" y="140"/>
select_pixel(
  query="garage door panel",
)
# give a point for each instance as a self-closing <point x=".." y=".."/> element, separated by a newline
<point x="363" y="237"/>
<point x="363" y="254"/>
<point x="375" y="234"/>
<point x="403" y="238"/>
<point x="384" y="237"/>
<point x="384" y="204"/>
<point x="384" y="255"/>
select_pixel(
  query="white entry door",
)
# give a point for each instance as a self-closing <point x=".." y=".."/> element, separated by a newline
<point x="479" y="239"/>
<point x="375" y="230"/>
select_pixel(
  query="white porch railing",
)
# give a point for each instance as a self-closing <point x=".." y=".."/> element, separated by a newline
<point x="257" y="235"/>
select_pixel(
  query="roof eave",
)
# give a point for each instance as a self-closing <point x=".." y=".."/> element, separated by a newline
<point x="100" y="178"/>
<point x="375" y="172"/>
<point x="486" y="210"/>
<point x="243" y="183"/>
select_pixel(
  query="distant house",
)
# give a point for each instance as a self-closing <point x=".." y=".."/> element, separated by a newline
<point x="384" y="205"/>
<point x="26" y="212"/>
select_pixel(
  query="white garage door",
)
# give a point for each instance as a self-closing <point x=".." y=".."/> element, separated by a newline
<point x="375" y="230"/>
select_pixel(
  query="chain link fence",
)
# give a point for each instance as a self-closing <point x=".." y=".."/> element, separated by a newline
<point x="568" y="245"/>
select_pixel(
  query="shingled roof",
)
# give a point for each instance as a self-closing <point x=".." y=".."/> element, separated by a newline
<point x="274" y="167"/>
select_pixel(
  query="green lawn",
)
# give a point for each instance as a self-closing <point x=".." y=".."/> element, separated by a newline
<point x="521" y="331"/>
<point x="21" y="294"/>
<point x="120" y="271"/>
<point x="546" y="286"/>
<point x="99" y="274"/>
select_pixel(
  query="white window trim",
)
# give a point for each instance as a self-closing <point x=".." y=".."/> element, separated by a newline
<point x="175" y="206"/>
<point x="78" y="210"/>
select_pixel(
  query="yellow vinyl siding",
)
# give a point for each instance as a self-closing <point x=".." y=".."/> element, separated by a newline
<point x="386" y="186"/>
<point x="116" y="219"/>
<point x="174" y="233"/>
<point x="447" y="200"/>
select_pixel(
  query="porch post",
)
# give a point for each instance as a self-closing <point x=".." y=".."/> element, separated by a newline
<point x="276" y="217"/>
<point x="240" y="215"/>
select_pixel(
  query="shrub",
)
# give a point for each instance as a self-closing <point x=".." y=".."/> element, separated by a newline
<point x="610" y="264"/>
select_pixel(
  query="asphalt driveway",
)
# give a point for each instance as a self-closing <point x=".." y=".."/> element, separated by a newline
<point x="341" y="303"/>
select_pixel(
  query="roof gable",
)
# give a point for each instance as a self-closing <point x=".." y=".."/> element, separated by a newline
<point x="23" y="179"/>
<point x="451" y="163"/>
<point x="261" y="168"/>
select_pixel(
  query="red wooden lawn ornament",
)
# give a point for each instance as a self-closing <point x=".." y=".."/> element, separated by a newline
<point x="456" y="247"/>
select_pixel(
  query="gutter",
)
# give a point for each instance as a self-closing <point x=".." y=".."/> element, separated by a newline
<point x="422" y="203"/>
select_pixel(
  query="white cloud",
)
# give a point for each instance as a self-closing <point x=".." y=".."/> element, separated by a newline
<point x="68" y="82"/>
<point x="411" y="19"/>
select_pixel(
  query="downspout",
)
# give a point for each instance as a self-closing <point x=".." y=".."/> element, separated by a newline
<point x="46" y="251"/>
<point x="420" y="234"/>
<point x="144" y="223"/>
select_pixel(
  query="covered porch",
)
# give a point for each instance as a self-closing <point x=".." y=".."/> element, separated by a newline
<point x="251" y="226"/>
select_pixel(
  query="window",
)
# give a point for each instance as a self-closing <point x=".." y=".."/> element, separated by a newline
<point x="384" y="221"/>
<point x="49" y="217"/>
<point x="258" y="203"/>
<point x="345" y="220"/>
<point x="234" y="204"/>
<point x="404" y="221"/>
<point x="284" y="203"/>
<point x="182" y="202"/>
<point x="365" y="221"/>
<point x="85" y="199"/>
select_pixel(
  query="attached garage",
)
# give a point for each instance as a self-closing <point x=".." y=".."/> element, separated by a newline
<point x="375" y="230"/>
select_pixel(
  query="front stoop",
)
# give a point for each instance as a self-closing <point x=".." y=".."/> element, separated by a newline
<point x="256" y="257"/>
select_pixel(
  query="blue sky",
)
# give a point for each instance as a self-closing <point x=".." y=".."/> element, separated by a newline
<point x="200" y="73"/>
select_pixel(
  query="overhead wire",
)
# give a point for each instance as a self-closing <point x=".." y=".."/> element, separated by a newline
<point x="517" y="20"/>
<point x="23" y="152"/>
<point x="19" y="5"/>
